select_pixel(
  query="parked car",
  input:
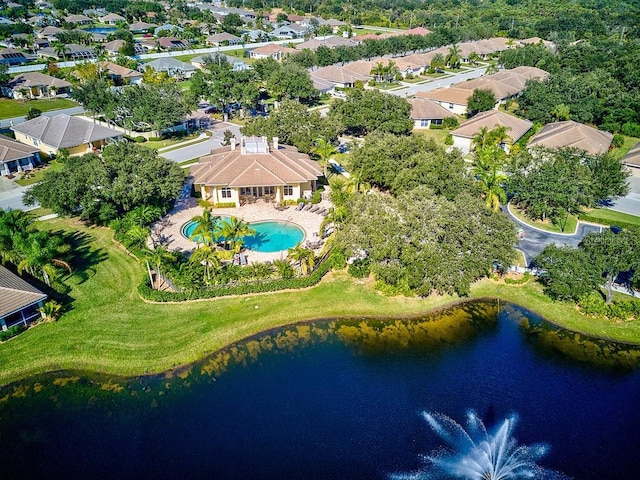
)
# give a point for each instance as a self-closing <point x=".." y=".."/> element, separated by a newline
<point x="211" y="109"/>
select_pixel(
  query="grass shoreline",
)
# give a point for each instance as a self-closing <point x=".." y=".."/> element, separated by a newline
<point x="110" y="330"/>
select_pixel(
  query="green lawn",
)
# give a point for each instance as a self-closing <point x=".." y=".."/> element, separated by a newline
<point x="570" y="227"/>
<point x="629" y="143"/>
<point x="438" y="136"/>
<point x="169" y="141"/>
<point x="610" y="217"/>
<point x="37" y="175"/>
<point x="10" y="108"/>
<point x="110" y="329"/>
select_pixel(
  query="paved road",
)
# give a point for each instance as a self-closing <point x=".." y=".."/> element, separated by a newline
<point x="8" y="122"/>
<point x="631" y="203"/>
<point x="411" y="89"/>
<point x="535" y="240"/>
<point x="11" y="196"/>
<point x="199" y="149"/>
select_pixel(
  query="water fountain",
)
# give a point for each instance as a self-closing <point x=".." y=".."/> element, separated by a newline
<point x="480" y="454"/>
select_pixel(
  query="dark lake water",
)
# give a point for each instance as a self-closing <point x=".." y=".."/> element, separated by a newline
<point x="335" y="400"/>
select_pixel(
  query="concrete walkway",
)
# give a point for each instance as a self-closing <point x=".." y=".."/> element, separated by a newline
<point x="197" y="150"/>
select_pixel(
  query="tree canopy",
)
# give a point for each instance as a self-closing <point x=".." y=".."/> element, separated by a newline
<point x="100" y="189"/>
<point x="480" y="101"/>
<point x="366" y="111"/>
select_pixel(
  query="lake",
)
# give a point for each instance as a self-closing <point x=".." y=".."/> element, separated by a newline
<point x="336" y="399"/>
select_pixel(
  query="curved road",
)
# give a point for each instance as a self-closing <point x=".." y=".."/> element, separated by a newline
<point x="535" y="239"/>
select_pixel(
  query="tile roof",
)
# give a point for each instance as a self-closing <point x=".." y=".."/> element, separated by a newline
<point x="235" y="168"/>
<point x="572" y="134"/>
<point x="271" y="48"/>
<point x="453" y="95"/>
<point x="633" y="157"/>
<point x="342" y="75"/>
<point x="11" y="150"/>
<point x="222" y="37"/>
<point x="516" y="127"/>
<point x="64" y="131"/>
<point x="36" y="79"/>
<point x="15" y="293"/>
<point x="423" y="108"/>
<point x="119" y="70"/>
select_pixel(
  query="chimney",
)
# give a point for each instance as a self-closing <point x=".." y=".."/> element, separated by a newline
<point x="275" y="143"/>
<point x="232" y="141"/>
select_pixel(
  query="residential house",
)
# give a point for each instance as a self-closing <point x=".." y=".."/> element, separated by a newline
<point x="329" y="42"/>
<point x="16" y="157"/>
<point x="452" y="98"/>
<point x="417" y="31"/>
<point x="333" y="24"/>
<point x="12" y="56"/>
<point x="49" y="32"/>
<point x="516" y="128"/>
<point x="223" y="38"/>
<point x="252" y="170"/>
<point x="113" y="48"/>
<point x="238" y="65"/>
<point x="120" y="75"/>
<point x="425" y="112"/>
<point x="72" y="51"/>
<point x="174" y="68"/>
<point x="77" y="135"/>
<point x="78" y="19"/>
<point x="255" y="35"/>
<point x="339" y="76"/>
<point x="277" y="52"/>
<point x="142" y="27"/>
<point x="112" y="19"/>
<point x="19" y="300"/>
<point x="35" y="85"/>
<point x="166" y="43"/>
<point x="287" y="32"/>
<point x="574" y="135"/>
<point x="167" y="28"/>
<point x="632" y="159"/>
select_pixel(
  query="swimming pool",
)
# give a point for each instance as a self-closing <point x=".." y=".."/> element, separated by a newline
<point x="271" y="235"/>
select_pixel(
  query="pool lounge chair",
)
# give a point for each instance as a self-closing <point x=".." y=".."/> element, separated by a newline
<point x="300" y="206"/>
<point x="243" y="260"/>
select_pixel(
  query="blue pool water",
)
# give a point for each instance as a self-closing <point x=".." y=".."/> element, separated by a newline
<point x="103" y="30"/>
<point x="271" y="235"/>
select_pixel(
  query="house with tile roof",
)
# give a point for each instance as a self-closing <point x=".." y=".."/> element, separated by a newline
<point x="142" y="27"/>
<point x="223" y="38"/>
<point x="78" y="19"/>
<point x="13" y="56"/>
<point x="632" y="159"/>
<point x="516" y="128"/>
<point x="19" y="300"/>
<point x="425" y="112"/>
<point x="72" y="51"/>
<point x="273" y="50"/>
<point x="112" y="19"/>
<point x="570" y="134"/>
<point x="452" y="98"/>
<point x="339" y="76"/>
<point x="16" y="157"/>
<point x="254" y="169"/>
<point x="35" y="85"/>
<point x="120" y="75"/>
<point x="174" y="68"/>
<point x="78" y="136"/>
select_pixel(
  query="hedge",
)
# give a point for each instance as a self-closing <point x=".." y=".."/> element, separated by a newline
<point x="148" y="293"/>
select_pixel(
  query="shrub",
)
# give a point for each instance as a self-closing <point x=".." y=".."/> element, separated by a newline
<point x="360" y="268"/>
<point x="433" y="126"/>
<point x="154" y="139"/>
<point x="448" y="140"/>
<point x="224" y="205"/>
<point x="206" y="204"/>
<point x="631" y="128"/>
<point x="593" y="304"/>
<point x="618" y="140"/>
<point x="518" y="281"/>
<point x="139" y="139"/>
<point x="450" y="122"/>
<point x="11" y="332"/>
<point x="316" y="197"/>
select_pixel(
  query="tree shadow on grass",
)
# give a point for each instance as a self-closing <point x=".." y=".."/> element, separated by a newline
<point x="82" y="256"/>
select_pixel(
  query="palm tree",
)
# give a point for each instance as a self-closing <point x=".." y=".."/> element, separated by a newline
<point x="144" y="215"/>
<point x="491" y="69"/>
<point x="259" y="270"/>
<point x="303" y="257"/>
<point x="561" y="112"/>
<point x="438" y="61"/>
<point x="486" y="170"/>
<point x="234" y="231"/>
<point x="283" y="268"/>
<point x="156" y="257"/>
<point x="481" y="139"/>
<point x="453" y="57"/>
<point x="15" y="227"/>
<point x="208" y="257"/>
<point x="50" y="311"/>
<point x="38" y="255"/>
<point x="378" y="71"/>
<point x="60" y="49"/>
<point x="207" y="229"/>
<point x="474" y="58"/>
<point x="325" y="150"/>
<point x="498" y="135"/>
<point x="390" y="71"/>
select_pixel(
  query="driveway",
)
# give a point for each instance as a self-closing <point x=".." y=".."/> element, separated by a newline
<point x="631" y="203"/>
<point x="535" y="239"/>
<point x="203" y="148"/>
<point x="11" y="196"/>
<point x="412" y="89"/>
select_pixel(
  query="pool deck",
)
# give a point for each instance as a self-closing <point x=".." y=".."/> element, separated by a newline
<point x="186" y="208"/>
